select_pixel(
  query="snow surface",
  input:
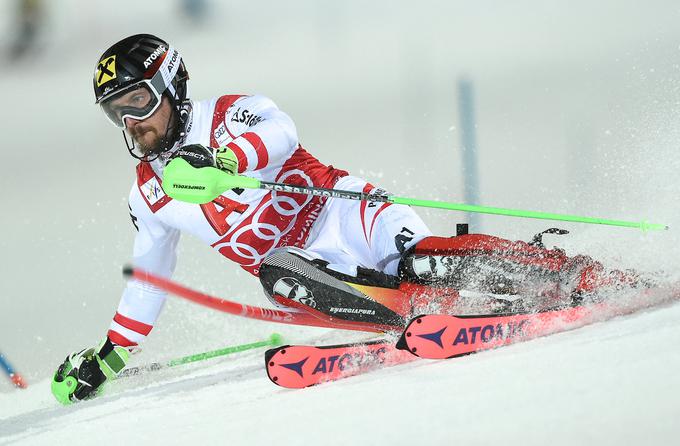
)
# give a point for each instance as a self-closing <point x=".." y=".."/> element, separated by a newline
<point x="611" y="383"/>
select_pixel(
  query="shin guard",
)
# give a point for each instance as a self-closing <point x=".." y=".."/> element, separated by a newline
<point x="291" y="280"/>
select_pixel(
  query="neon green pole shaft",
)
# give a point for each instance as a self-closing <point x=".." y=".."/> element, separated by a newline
<point x="185" y="183"/>
<point x="274" y="339"/>
<point x="643" y="225"/>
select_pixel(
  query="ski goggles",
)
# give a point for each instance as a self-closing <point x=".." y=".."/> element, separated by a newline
<point x="141" y="100"/>
<point x="138" y="101"/>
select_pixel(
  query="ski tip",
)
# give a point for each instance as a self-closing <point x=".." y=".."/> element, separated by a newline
<point x="272" y="351"/>
<point x="268" y="363"/>
<point x="128" y="271"/>
<point x="401" y="343"/>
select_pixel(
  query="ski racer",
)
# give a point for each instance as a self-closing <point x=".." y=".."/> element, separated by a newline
<point x="355" y="261"/>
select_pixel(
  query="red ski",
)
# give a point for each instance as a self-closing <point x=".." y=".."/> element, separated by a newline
<point x="298" y="366"/>
<point x="436" y="336"/>
<point x="439" y="336"/>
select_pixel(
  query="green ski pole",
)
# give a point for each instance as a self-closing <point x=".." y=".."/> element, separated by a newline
<point x="185" y="183"/>
<point x="273" y="340"/>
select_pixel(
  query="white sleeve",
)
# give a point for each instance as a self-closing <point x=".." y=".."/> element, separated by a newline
<point x="155" y="252"/>
<point x="263" y="135"/>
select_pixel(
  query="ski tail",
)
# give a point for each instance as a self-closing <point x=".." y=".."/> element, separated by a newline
<point x="299" y="366"/>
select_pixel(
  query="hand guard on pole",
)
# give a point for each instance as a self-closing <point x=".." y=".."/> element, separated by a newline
<point x="82" y="373"/>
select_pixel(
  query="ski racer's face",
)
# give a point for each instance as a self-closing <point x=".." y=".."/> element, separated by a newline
<point x="147" y="133"/>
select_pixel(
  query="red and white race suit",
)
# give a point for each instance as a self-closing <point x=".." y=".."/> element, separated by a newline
<point x="246" y="225"/>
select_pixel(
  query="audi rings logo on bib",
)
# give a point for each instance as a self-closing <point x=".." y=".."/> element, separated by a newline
<point x="250" y="240"/>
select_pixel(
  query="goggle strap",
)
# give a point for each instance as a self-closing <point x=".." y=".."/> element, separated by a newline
<point x="164" y="76"/>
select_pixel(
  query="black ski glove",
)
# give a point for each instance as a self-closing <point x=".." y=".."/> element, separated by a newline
<point x="200" y="156"/>
<point x="81" y="374"/>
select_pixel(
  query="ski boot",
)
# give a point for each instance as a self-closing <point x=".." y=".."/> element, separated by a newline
<point x="509" y="276"/>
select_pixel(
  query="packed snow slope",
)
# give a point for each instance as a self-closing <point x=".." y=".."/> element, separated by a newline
<point x="611" y="383"/>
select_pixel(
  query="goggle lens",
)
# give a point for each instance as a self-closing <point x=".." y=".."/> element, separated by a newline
<point x="137" y="102"/>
